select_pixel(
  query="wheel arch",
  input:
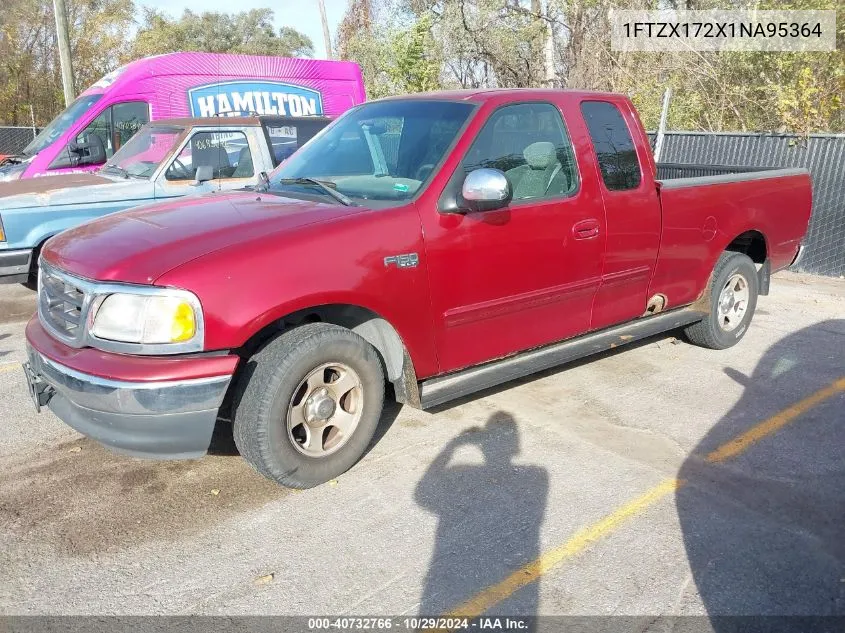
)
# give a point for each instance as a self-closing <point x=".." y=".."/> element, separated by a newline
<point x="753" y="244"/>
<point x="368" y="324"/>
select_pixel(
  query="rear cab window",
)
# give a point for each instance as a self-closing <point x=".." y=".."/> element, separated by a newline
<point x="613" y="144"/>
<point x="285" y="136"/>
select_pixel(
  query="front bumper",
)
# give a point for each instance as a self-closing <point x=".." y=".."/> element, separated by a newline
<point x="158" y="419"/>
<point x="14" y="266"/>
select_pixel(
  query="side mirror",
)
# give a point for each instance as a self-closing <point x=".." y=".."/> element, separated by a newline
<point x="486" y="189"/>
<point x="204" y="174"/>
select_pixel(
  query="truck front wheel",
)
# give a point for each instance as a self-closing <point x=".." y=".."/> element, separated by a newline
<point x="308" y="403"/>
<point x="733" y="299"/>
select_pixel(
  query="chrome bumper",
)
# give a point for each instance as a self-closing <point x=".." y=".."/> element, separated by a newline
<point x="14" y="265"/>
<point x="148" y="419"/>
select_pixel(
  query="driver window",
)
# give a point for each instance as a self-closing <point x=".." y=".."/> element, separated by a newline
<point x="106" y="134"/>
<point x="228" y="154"/>
<point x="528" y="142"/>
<point x="98" y="127"/>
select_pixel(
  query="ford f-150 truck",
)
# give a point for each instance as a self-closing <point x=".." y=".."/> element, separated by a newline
<point x="166" y="159"/>
<point x="437" y="244"/>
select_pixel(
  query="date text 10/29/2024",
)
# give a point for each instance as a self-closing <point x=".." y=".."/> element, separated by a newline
<point x="420" y="623"/>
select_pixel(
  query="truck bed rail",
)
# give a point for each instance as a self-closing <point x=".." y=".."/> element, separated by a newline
<point x="667" y="171"/>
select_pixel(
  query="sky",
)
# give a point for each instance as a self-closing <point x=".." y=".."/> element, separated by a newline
<point x="303" y="15"/>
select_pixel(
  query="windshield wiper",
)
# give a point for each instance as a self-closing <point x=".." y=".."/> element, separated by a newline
<point x="118" y="169"/>
<point x="326" y="185"/>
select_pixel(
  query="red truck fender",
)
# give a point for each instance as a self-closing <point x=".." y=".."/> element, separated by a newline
<point x="364" y="321"/>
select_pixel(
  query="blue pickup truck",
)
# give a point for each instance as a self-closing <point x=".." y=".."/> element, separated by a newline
<point x="165" y="159"/>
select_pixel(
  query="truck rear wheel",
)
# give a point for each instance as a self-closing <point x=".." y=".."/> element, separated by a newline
<point x="308" y="404"/>
<point x="733" y="299"/>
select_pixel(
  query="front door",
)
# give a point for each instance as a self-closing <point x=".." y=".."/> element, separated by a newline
<point x="511" y="279"/>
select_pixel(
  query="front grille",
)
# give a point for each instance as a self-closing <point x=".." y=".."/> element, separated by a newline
<point x="61" y="305"/>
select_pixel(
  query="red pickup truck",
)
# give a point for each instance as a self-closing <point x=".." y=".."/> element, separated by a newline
<point x="436" y="244"/>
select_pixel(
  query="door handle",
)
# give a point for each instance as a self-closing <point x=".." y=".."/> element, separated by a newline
<point x="585" y="229"/>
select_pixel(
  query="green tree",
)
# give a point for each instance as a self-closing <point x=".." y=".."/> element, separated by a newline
<point x="100" y="31"/>
<point x="415" y="67"/>
<point x="249" y="32"/>
<point x="410" y="45"/>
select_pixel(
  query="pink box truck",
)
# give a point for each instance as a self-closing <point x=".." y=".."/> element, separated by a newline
<point x="104" y="117"/>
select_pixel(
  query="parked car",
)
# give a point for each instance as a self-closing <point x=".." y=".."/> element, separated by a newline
<point x="439" y="244"/>
<point x="166" y="159"/>
<point x="104" y="117"/>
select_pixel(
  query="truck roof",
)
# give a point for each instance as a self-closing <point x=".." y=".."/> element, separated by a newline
<point x="483" y="94"/>
<point x="218" y="121"/>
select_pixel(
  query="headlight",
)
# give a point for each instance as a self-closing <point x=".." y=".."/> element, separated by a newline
<point x="148" y="319"/>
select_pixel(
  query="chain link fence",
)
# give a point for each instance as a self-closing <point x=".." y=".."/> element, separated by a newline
<point x="14" y="139"/>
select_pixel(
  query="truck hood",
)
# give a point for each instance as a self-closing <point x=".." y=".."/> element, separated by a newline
<point x="140" y="245"/>
<point x="66" y="189"/>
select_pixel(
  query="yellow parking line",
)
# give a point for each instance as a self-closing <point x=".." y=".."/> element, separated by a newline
<point x="9" y="367"/>
<point x="582" y="539"/>
<point x="743" y="442"/>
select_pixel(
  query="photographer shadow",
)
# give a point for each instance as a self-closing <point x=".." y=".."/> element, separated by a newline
<point x="489" y="517"/>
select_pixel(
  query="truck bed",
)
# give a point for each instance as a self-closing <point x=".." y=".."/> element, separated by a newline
<point x="720" y="207"/>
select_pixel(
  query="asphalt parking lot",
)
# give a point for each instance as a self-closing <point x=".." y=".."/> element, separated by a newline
<point x="657" y="479"/>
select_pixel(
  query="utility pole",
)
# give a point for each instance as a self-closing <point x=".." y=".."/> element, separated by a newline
<point x="327" y="38"/>
<point x="64" y="50"/>
<point x="661" y="128"/>
<point x="32" y="120"/>
<point x="549" y="49"/>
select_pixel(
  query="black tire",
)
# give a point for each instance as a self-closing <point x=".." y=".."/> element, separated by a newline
<point x="32" y="282"/>
<point x="267" y="387"/>
<point x="709" y="332"/>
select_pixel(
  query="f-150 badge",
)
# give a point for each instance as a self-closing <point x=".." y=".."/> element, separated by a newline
<point x="406" y="260"/>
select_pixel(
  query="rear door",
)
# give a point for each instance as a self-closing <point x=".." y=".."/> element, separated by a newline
<point x="522" y="276"/>
<point x="631" y="208"/>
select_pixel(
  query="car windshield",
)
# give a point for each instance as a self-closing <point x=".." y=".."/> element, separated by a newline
<point x="381" y="151"/>
<point x="144" y="152"/>
<point x="61" y="124"/>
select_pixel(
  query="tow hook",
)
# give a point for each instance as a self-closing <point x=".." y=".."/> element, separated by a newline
<point x="39" y="391"/>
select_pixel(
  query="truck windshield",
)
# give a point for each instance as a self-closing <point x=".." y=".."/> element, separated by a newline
<point x="144" y="151"/>
<point x="385" y="150"/>
<point x="58" y="126"/>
